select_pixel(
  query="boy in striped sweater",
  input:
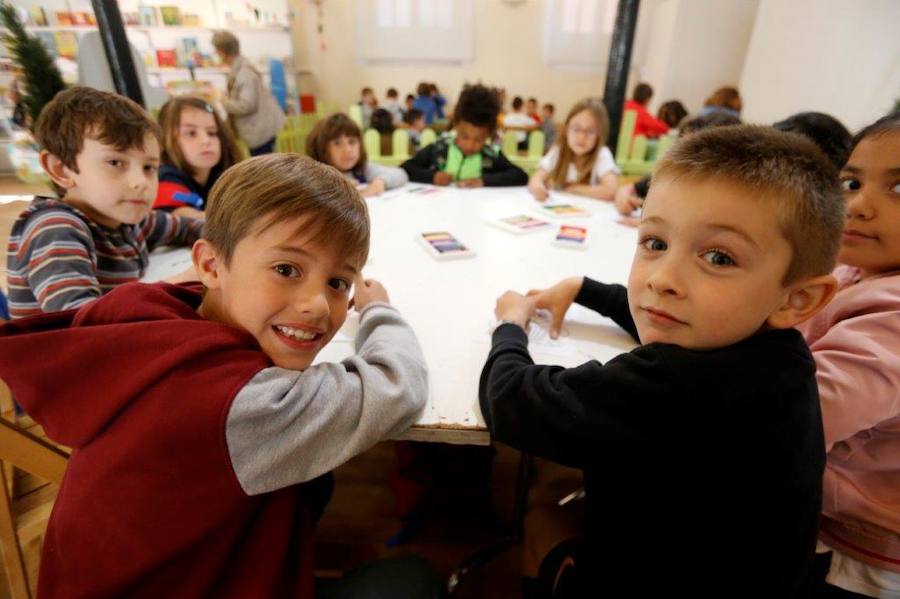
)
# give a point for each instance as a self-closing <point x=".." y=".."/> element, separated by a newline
<point x="101" y="152"/>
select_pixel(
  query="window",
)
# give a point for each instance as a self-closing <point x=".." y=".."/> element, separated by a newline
<point x="578" y="32"/>
<point x="415" y="31"/>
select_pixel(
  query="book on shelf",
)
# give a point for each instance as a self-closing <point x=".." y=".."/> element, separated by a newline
<point x="83" y="19"/>
<point x="147" y="16"/>
<point x="171" y="15"/>
<point x="191" y="20"/>
<point x="66" y="44"/>
<point x="38" y="16"/>
<point x="166" y="59"/>
<point x="188" y="52"/>
<point x="64" y="18"/>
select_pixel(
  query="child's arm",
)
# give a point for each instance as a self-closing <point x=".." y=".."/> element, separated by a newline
<point x="569" y="415"/>
<point x="858" y="372"/>
<point x="537" y="185"/>
<point x="608" y="300"/>
<point x="422" y="167"/>
<point x="503" y="173"/>
<point x="287" y="427"/>
<point x="605" y="190"/>
<point x="161" y="228"/>
<point x="56" y="261"/>
<point x="392" y="176"/>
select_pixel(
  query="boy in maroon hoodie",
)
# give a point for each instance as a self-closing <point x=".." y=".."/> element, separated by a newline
<point x="203" y="437"/>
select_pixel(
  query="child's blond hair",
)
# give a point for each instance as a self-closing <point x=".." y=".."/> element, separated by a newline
<point x="256" y="193"/>
<point x="787" y="171"/>
<point x="583" y="164"/>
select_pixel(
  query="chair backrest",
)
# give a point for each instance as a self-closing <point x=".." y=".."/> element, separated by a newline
<point x="510" y="143"/>
<point x="291" y="140"/>
<point x="25" y="451"/>
<point x="400" y="144"/>
<point x="536" y="144"/>
<point x="427" y="138"/>
<point x="355" y="114"/>
<point x="626" y="132"/>
<point x="372" y="144"/>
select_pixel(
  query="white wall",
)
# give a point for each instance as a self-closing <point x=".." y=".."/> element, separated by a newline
<point x="696" y="47"/>
<point x="508" y="53"/>
<point x="836" y="56"/>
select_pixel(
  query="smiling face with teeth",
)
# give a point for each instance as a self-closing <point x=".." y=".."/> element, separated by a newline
<point x="281" y="285"/>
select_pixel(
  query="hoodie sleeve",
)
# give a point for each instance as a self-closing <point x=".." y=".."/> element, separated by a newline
<point x="610" y="301"/>
<point x="423" y="165"/>
<point x="286" y="427"/>
<point x="392" y="176"/>
<point x="504" y="173"/>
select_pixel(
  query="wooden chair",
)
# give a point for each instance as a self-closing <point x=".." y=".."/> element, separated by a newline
<point x="32" y="471"/>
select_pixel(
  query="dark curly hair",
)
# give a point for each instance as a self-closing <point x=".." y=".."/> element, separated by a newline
<point x="479" y="106"/>
<point x="828" y="133"/>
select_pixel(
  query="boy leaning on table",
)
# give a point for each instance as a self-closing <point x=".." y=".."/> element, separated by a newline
<point x="101" y="152"/>
<point x="702" y="449"/>
<point x="203" y="437"/>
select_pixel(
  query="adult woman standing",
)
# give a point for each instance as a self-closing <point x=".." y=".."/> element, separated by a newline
<point x="255" y="114"/>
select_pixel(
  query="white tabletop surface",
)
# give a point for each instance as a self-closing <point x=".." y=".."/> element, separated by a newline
<point x="450" y="303"/>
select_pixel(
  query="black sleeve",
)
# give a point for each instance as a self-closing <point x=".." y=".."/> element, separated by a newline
<point x="569" y="414"/>
<point x="423" y="165"/>
<point x="503" y="173"/>
<point x="608" y="300"/>
<point x="642" y="187"/>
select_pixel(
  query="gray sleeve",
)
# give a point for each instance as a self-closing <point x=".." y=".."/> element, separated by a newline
<point x="286" y="426"/>
<point x="243" y="98"/>
<point x="392" y="176"/>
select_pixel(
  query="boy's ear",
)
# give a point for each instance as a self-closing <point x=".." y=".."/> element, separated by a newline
<point x="804" y="299"/>
<point x="207" y="263"/>
<point x="58" y="172"/>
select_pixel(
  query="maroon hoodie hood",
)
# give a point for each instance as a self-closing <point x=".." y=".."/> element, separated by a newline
<point x="140" y="386"/>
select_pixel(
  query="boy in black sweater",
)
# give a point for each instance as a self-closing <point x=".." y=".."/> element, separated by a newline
<point x="702" y="449"/>
<point x="466" y="157"/>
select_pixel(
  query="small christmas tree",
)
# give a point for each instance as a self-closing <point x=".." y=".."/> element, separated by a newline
<point x="42" y="79"/>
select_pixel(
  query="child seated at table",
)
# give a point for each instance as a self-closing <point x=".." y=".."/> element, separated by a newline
<point x="203" y="434"/>
<point x="464" y="155"/>
<point x="197" y="148"/>
<point x="702" y="449"/>
<point x="101" y="152"/>
<point x="415" y="122"/>
<point x="337" y="141"/>
<point x="579" y="162"/>
<point x="854" y="342"/>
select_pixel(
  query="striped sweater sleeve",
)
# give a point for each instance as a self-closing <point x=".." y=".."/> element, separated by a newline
<point x="51" y="261"/>
<point x="162" y="228"/>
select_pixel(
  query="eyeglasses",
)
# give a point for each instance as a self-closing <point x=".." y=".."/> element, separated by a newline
<point x="580" y="131"/>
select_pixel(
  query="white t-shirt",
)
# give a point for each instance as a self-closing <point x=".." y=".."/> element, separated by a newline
<point x="518" y="119"/>
<point x="604" y="165"/>
<point x="860" y="577"/>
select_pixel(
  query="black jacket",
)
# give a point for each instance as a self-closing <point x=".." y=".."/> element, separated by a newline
<point x="703" y="469"/>
<point x="496" y="169"/>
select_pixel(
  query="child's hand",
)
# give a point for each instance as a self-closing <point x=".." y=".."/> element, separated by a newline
<point x="374" y="188"/>
<point x="538" y="190"/>
<point x="514" y="307"/>
<point x="442" y="178"/>
<point x="470" y="183"/>
<point x="366" y="291"/>
<point x="626" y="200"/>
<point x="557" y="300"/>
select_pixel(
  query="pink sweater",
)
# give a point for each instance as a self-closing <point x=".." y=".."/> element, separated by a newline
<point x="855" y="341"/>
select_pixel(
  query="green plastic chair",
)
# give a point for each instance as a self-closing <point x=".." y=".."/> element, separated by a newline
<point x="355" y="114"/>
<point x="510" y="144"/>
<point x="536" y="143"/>
<point x="400" y="144"/>
<point x="291" y="140"/>
<point x="636" y="155"/>
<point x="427" y="138"/>
<point x="372" y="144"/>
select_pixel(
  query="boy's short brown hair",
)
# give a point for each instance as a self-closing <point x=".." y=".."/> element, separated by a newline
<point x="784" y="168"/>
<point x="80" y="112"/>
<point x="256" y="193"/>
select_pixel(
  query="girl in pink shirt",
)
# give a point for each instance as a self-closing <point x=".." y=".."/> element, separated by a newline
<point x="855" y="341"/>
